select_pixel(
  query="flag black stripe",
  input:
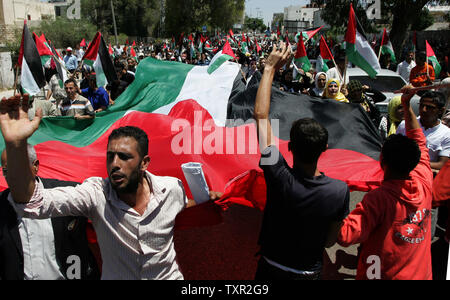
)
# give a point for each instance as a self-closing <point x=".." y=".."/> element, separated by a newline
<point x="31" y="56"/>
<point x="107" y="63"/>
<point x="349" y="127"/>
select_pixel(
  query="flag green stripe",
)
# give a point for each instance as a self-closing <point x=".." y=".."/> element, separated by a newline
<point x="436" y="66"/>
<point x="218" y="62"/>
<point x="390" y="51"/>
<point x="357" y="59"/>
<point x="160" y="86"/>
<point x="303" y="63"/>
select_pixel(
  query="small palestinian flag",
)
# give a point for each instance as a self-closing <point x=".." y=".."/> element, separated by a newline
<point x="221" y="57"/>
<point x="358" y="49"/>
<point x="307" y="35"/>
<point x="44" y="52"/>
<point x="432" y="57"/>
<point x="97" y="56"/>
<point x="386" y="46"/>
<point x="301" y="58"/>
<point x="325" y="56"/>
<point x="59" y="63"/>
<point x="32" y="78"/>
<point x="133" y="54"/>
<point x="83" y="43"/>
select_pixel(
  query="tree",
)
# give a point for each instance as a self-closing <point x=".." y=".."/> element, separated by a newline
<point x="336" y="14"/>
<point x="133" y="17"/>
<point x="192" y="15"/>
<point x="254" y="24"/>
<point x="66" y="33"/>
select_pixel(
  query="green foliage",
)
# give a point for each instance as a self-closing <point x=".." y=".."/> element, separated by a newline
<point x="64" y="33"/>
<point x="254" y="24"/>
<point x="133" y="17"/>
<point x="423" y="20"/>
<point x="336" y="14"/>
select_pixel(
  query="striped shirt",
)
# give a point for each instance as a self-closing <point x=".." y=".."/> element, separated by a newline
<point x="80" y="106"/>
<point x="132" y="246"/>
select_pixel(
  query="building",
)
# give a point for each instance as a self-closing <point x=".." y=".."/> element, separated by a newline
<point x="298" y="18"/>
<point x="14" y="12"/>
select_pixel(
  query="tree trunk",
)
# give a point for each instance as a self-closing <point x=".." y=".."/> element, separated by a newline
<point x="404" y="12"/>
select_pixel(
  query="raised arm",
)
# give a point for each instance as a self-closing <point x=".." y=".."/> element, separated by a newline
<point x="411" y="122"/>
<point x="277" y="59"/>
<point x="16" y="129"/>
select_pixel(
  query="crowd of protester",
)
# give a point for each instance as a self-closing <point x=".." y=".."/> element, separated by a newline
<point x="81" y="98"/>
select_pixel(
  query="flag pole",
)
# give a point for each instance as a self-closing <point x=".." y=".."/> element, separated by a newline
<point x="16" y="79"/>
<point x="427" y="88"/>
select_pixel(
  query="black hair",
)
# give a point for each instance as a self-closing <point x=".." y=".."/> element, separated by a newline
<point x="138" y="134"/>
<point x="71" y="80"/>
<point x="309" y="140"/>
<point x="437" y="97"/>
<point x="400" y="154"/>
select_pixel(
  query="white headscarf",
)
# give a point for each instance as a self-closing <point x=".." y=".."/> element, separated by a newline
<point x="319" y="91"/>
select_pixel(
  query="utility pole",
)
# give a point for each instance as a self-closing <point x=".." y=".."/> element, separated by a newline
<point x="114" y="22"/>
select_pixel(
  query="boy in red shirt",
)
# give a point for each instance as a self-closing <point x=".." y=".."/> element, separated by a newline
<point x="393" y="222"/>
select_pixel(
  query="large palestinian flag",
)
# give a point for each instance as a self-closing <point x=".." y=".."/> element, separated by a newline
<point x="193" y="116"/>
<point x="97" y="56"/>
<point x="32" y="78"/>
<point x="358" y="49"/>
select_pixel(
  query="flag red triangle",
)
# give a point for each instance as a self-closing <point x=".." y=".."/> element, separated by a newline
<point x="42" y="49"/>
<point x="227" y="50"/>
<point x="350" y="36"/>
<point x="92" y="51"/>
<point x="325" y="52"/>
<point x="301" y="50"/>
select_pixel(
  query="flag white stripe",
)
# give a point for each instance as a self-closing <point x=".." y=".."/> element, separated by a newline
<point x="27" y="80"/>
<point x="365" y="50"/>
<point x="211" y="91"/>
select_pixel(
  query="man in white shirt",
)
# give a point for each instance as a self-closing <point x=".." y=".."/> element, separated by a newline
<point x="438" y="135"/>
<point x="405" y="67"/>
<point x="133" y="211"/>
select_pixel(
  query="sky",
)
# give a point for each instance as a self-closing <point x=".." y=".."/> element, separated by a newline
<point x="266" y="8"/>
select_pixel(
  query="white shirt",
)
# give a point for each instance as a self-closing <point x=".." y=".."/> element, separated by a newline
<point x="438" y="139"/>
<point x="404" y="69"/>
<point x="38" y="246"/>
<point x="132" y="246"/>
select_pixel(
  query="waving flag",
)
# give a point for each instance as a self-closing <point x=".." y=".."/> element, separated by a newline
<point x="44" y="52"/>
<point x="432" y="57"/>
<point x="83" y="43"/>
<point x="301" y="58"/>
<point x="221" y="57"/>
<point x="358" y="49"/>
<point x="32" y="78"/>
<point x="324" y="57"/>
<point x="193" y="116"/>
<point x="386" y="46"/>
<point x="97" y="56"/>
<point x="307" y="35"/>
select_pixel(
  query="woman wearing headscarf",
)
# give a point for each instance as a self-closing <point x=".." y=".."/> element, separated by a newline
<point x="321" y="82"/>
<point x="389" y="125"/>
<point x="333" y="91"/>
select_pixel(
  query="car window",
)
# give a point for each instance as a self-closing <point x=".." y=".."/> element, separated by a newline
<point x="388" y="84"/>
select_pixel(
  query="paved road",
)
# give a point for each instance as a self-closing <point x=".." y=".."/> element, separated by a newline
<point x="227" y="251"/>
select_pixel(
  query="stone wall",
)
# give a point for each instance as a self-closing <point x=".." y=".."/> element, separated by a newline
<point x="6" y="71"/>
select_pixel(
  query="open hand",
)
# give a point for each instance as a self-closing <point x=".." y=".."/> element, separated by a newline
<point x="15" y="125"/>
<point x="279" y="56"/>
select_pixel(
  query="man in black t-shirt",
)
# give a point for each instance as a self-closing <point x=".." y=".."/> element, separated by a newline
<point x="305" y="208"/>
